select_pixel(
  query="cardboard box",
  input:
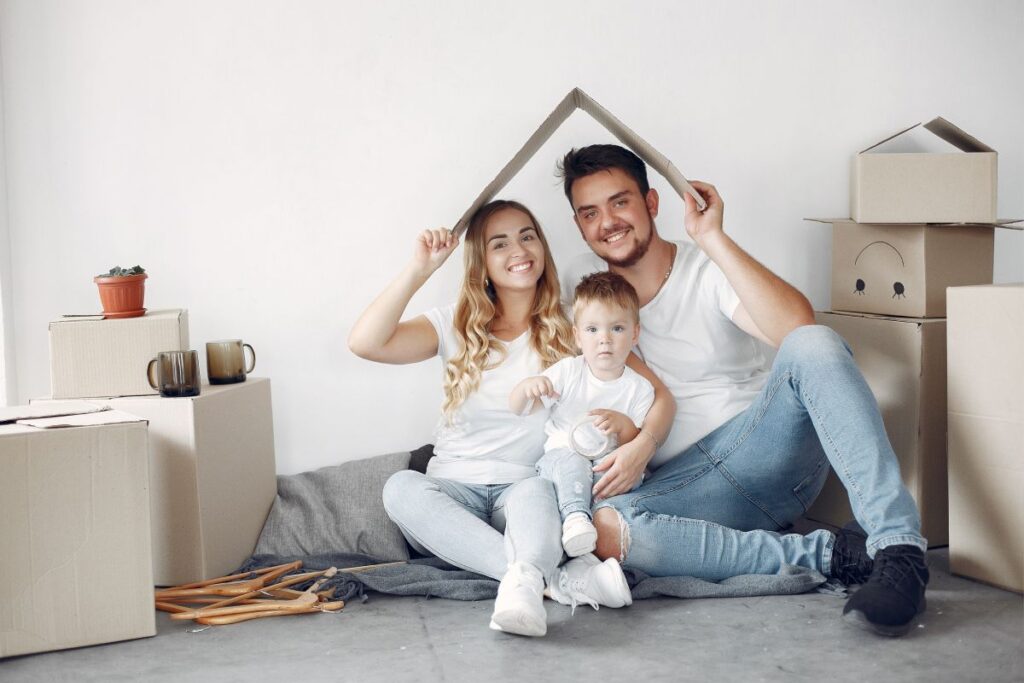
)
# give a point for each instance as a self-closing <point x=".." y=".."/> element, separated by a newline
<point x="904" y="270"/>
<point x="213" y="476"/>
<point x="92" y="357"/>
<point x="904" y="363"/>
<point x="986" y="434"/>
<point x="926" y="187"/>
<point x="577" y="99"/>
<point x="75" y="551"/>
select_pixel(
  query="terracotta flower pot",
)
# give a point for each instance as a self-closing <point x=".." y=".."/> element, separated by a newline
<point x="122" y="295"/>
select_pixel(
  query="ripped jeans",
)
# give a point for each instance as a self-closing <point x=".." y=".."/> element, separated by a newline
<point x="717" y="509"/>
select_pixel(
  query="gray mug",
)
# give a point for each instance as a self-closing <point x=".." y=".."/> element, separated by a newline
<point x="176" y="373"/>
<point x="225" y="361"/>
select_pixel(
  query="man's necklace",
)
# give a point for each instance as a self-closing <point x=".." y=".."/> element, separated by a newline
<point x="671" y="264"/>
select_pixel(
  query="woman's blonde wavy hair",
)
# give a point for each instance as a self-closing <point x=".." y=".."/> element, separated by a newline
<point x="478" y="306"/>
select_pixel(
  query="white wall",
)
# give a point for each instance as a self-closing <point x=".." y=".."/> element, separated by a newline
<point x="269" y="162"/>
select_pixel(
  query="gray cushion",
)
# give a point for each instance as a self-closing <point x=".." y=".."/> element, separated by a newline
<point x="335" y="509"/>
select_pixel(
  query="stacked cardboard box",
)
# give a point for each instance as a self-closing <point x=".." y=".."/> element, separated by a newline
<point x="212" y="465"/>
<point x="74" y="533"/>
<point x="213" y="476"/>
<point x="921" y="222"/>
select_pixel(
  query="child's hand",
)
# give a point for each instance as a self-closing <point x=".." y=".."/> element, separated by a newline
<point x="612" y="422"/>
<point x="536" y="387"/>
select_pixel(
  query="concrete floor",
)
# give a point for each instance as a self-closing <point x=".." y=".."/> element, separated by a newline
<point x="971" y="632"/>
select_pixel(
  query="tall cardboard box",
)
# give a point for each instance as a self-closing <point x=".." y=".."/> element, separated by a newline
<point x="74" y="535"/>
<point x="986" y="434"/>
<point x="213" y="476"/>
<point x="92" y="357"/>
<point x="904" y="363"/>
<point x="904" y="270"/>
<point x="926" y="187"/>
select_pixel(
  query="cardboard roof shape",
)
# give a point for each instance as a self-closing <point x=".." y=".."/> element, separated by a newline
<point x="942" y="128"/>
<point x="577" y="99"/>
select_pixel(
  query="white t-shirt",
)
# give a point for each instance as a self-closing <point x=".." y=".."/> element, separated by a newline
<point x="580" y="392"/>
<point x="687" y="337"/>
<point x="487" y="443"/>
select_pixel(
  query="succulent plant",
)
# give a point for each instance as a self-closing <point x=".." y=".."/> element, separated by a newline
<point x="118" y="271"/>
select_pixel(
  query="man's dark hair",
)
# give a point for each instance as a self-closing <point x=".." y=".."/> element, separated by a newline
<point x="579" y="163"/>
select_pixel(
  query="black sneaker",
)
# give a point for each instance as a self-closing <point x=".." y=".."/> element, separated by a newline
<point x="894" y="594"/>
<point x="850" y="561"/>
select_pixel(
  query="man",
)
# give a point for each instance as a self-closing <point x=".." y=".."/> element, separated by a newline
<point x="749" y="447"/>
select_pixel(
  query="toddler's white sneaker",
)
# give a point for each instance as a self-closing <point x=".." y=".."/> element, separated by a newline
<point x="519" y="607"/>
<point x="579" y="536"/>
<point x="588" y="580"/>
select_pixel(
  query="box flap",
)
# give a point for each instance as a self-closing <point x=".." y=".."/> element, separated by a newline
<point x="955" y="136"/>
<point x="49" y="409"/>
<point x="77" y="318"/>
<point x="1008" y="223"/>
<point x="103" y="417"/>
<point x="945" y="130"/>
<point x="893" y="318"/>
<point x="882" y="142"/>
<point x="577" y="99"/>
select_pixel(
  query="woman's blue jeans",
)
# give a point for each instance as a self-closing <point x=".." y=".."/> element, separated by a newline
<point x="714" y="510"/>
<point x="479" y="527"/>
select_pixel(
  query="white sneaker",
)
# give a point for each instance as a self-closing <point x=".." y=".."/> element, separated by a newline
<point x="519" y="607"/>
<point x="579" y="536"/>
<point x="588" y="580"/>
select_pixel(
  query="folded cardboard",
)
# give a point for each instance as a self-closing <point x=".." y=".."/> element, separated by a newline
<point x="213" y="476"/>
<point x="577" y="99"/>
<point x="986" y="434"/>
<point x="903" y="270"/>
<point x="75" y="552"/>
<point x="99" y="358"/>
<point x="926" y="187"/>
<point x="904" y="363"/>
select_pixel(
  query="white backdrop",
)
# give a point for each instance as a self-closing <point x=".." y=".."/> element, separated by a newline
<point x="269" y="163"/>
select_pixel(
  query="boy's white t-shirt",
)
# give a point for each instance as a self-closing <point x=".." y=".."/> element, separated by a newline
<point x="687" y="337"/>
<point x="580" y="392"/>
<point x="487" y="443"/>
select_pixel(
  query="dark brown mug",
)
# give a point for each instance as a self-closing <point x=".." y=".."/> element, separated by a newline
<point x="225" y="361"/>
<point x="176" y="373"/>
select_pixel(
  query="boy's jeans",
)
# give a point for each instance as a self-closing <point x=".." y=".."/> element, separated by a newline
<point x="700" y="514"/>
<point x="479" y="527"/>
<point x="573" y="477"/>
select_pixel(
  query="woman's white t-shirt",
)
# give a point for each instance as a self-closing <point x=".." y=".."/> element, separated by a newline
<point x="687" y="337"/>
<point x="486" y="443"/>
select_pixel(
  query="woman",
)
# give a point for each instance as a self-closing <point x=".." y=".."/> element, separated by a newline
<point x="479" y="506"/>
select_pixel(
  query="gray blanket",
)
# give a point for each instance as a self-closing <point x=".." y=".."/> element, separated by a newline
<point x="334" y="517"/>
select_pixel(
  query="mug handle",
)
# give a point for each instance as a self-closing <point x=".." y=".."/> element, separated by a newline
<point x="149" y="375"/>
<point x="251" y="366"/>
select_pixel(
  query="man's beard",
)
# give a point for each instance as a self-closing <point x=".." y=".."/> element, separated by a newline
<point x="639" y="251"/>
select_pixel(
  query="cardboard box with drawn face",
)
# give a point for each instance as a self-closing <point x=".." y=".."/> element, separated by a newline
<point x="903" y="270"/>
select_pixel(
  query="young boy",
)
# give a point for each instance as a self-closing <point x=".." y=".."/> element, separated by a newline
<point x="593" y="390"/>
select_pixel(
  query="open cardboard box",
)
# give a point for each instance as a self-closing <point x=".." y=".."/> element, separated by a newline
<point x="926" y="187"/>
<point x="904" y="270"/>
<point x="577" y="99"/>
<point x="75" y="551"/>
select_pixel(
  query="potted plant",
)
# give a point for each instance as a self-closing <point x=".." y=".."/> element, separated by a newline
<point x="122" y="291"/>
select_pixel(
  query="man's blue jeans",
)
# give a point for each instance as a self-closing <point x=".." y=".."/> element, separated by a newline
<point x="714" y="510"/>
